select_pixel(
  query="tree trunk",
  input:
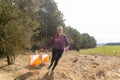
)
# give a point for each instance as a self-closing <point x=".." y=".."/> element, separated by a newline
<point x="10" y="59"/>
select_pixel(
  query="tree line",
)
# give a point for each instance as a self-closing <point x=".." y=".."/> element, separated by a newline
<point x="81" y="41"/>
<point x="112" y="44"/>
<point x="29" y="24"/>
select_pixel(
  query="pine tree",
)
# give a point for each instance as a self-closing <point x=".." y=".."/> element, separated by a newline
<point x="16" y="28"/>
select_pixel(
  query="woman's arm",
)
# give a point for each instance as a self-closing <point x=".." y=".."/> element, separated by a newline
<point x="50" y="43"/>
<point x="67" y="42"/>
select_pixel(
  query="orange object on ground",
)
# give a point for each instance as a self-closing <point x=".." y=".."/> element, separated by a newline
<point x="45" y="58"/>
<point x="34" y="60"/>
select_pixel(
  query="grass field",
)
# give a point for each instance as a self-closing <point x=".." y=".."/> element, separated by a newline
<point x="106" y="50"/>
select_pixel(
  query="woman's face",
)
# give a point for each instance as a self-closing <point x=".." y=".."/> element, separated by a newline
<point x="59" y="31"/>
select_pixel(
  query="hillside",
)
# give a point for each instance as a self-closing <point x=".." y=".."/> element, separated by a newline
<point x="72" y="66"/>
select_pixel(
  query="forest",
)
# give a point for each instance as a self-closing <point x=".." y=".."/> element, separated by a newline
<point x="29" y="24"/>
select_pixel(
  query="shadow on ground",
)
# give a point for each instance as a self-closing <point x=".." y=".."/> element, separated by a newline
<point x="48" y="76"/>
<point x="24" y="76"/>
<point x="3" y="66"/>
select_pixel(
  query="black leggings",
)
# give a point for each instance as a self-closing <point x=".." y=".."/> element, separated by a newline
<point x="56" y="55"/>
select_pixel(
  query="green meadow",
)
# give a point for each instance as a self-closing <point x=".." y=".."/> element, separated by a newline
<point x="105" y="50"/>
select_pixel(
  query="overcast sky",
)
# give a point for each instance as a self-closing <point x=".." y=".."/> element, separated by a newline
<point x="98" y="18"/>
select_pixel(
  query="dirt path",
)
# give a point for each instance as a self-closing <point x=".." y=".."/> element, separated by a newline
<point x="71" y="67"/>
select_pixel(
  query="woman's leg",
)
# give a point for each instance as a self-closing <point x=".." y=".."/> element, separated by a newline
<point x="57" y="58"/>
<point x="53" y="57"/>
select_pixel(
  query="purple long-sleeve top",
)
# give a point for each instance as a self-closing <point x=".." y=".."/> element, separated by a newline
<point x="58" y="42"/>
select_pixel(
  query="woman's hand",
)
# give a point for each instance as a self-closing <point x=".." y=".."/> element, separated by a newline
<point x="42" y="49"/>
<point x="37" y="51"/>
<point x="66" y="49"/>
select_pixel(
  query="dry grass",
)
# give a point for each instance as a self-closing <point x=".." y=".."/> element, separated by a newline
<point x="72" y="66"/>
